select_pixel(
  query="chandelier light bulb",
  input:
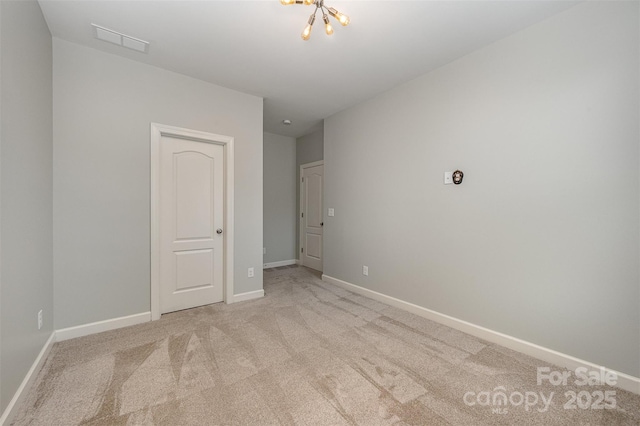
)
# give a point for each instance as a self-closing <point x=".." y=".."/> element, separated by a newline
<point x="327" y="25"/>
<point x="343" y="19"/>
<point x="309" y="2"/>
<point x="307" y="31"/>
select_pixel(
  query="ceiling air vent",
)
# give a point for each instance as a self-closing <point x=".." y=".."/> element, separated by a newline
<point x="111" y="36"/>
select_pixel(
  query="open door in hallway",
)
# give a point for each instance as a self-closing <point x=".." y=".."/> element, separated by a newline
<point x="311" y="219"/>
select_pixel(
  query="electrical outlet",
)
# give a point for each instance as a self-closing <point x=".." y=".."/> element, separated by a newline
<point x="39" y="319"/>
<point x="250" y="273"/>
<point x="365" y="270"/>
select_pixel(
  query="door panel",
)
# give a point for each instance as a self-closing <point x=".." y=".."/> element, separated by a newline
<point x="191" y="210"/>
<point x="313" y="208"/>
<point x="312" y="219"/>
<point x="194" y="269"/>
<point x="314" y="246"/>
<point x="194" y="196"/>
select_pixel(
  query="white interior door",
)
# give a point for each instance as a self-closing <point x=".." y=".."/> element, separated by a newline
<point x="311" y="216"/>
<point x="191" y="221"/>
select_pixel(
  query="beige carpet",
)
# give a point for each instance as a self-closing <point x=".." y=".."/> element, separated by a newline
<point x="307" y="353"/>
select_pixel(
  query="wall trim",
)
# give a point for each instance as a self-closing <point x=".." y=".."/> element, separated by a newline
<point x="280" y="263"/>
<point x="27" y="382"/>
<point x="100" y="326"/>
<point x="625" y="381"/>
<point x="250" y="295"/>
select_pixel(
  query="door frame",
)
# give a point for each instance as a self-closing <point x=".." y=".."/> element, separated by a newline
<point x="302" y="167"/>
<point x="157" y="132"/>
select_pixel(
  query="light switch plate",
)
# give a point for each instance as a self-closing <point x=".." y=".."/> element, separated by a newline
<point x="330" y="212"/>
<point x="448" y="178"/>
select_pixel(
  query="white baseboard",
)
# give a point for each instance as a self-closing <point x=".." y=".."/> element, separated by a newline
<point x="27" y="382"/>
<point x="280" y="263"/>
<point x="100" y="326"/>
<point x="625" y="381"/>
<point x="250" y="295"/>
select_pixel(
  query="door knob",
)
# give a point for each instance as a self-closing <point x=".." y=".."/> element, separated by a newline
<point x="219" y="231"/>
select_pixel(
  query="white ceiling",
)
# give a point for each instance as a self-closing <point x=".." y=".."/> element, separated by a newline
<point x="255" y="46"/>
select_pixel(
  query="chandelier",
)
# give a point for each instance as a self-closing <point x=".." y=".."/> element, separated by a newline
<point x="326" y="11"/>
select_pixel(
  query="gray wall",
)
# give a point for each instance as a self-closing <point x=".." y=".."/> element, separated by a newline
<point x="26" y="283"/>
<point x="541" y="240"/>
<point x="279" y="197"/>
<point x="103" y="105"/>
<point x="309" y="148"/>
